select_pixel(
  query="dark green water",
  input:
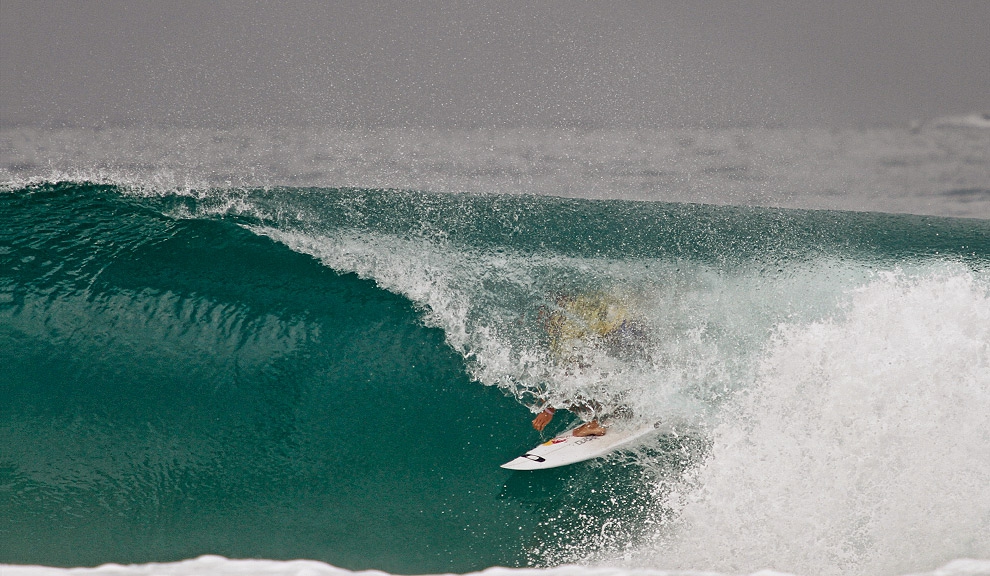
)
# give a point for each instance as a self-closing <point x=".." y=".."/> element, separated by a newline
<point x="337" y="374"/>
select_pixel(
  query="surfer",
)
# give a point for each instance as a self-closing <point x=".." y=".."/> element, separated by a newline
<point x="596" y="319"/>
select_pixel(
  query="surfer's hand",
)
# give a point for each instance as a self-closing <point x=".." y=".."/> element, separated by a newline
<point x="542" y="419"/>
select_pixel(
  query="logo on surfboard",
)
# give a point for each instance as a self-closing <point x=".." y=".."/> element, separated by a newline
<point x="554" y="441"/>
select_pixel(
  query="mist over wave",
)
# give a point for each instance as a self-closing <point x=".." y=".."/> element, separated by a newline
<point x="939" y="169"/>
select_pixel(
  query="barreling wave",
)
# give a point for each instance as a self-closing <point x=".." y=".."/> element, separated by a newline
<point x="194" y="370"/>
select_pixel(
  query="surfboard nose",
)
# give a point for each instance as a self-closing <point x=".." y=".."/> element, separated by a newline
<point x="525" y="462"/>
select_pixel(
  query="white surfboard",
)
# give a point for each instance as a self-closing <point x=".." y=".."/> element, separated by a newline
<point x="568" y="449"/>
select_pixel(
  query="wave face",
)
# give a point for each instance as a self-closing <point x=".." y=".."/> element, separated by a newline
<point x="336" y="374"/>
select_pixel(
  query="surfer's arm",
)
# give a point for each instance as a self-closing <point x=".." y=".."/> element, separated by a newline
<point x="543" y="418"/>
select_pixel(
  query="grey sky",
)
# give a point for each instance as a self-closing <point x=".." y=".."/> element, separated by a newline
<point x="833" y="63"/>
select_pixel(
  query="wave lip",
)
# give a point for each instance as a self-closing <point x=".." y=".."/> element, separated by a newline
<point x="882" y="170"/>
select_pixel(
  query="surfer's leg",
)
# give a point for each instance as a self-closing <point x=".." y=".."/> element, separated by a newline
<point x="592" y="428"/>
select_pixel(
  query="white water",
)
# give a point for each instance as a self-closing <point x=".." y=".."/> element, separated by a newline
<point x="864" y="447"/>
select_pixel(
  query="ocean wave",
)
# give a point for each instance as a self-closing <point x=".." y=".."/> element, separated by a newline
<point x="336" y="374"/>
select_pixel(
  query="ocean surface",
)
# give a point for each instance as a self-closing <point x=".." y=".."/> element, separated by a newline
<point x="227" y="351"/>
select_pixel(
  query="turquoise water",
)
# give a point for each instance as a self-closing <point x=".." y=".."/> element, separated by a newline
<point x="336" y="374"/>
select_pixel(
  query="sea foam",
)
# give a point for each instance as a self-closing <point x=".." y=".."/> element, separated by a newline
<point x="219" y="566"/>
<point x="863" y="447"/>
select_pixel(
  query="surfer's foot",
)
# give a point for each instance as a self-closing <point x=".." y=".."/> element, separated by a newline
<point x="592" y="428"/>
